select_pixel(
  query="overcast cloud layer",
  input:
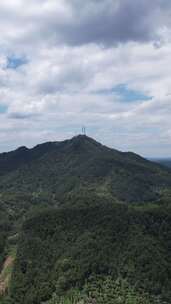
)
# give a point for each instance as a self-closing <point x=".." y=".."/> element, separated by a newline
<point x="104" y="64"/>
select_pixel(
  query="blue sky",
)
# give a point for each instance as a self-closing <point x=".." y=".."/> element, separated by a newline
<point x="14" y="62"/>
<point x="3" y="108"/>
<point x="60" y="69"/>
<point x="125" y="94"/>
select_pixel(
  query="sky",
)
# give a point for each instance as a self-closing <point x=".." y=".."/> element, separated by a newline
<point x="103" y="64"/>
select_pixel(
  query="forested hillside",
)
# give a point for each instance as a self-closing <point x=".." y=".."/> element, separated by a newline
<point x="80" y="165"/>
<point x="63" y="249"/>
<point x="82" y="223"/>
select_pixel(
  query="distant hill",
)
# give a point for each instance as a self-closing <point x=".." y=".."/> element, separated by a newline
<point x="164" y="161"/>
<point x="82" y="165"/>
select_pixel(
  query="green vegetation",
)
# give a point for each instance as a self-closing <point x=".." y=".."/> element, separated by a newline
<point x="104" y="290"/>
<point x="4" y="229"/>
<point x="82" y="165"/>
<point x="84" y="224"/>
<point x="110" y="239"/>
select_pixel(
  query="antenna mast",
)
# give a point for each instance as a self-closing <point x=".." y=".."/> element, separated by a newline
<point x="84" y="130"/>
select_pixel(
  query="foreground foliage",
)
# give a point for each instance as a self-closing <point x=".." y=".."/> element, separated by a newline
<point x="60" y="249"/>
<point x="104" y="290"/>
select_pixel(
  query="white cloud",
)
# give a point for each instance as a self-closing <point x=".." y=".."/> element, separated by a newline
<point x="60" y="86"/>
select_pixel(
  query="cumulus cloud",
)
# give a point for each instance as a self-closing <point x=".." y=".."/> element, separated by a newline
<point x="62" y="61"/>
<point x="76" y="22"/>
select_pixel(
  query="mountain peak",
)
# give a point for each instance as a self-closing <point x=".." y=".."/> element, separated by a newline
<point x="84" y="142"/>
<point x="22" y="149"/>
<point x="82" y="137"/>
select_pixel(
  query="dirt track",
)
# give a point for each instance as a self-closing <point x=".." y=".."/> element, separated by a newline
<point x="4" y="278"/>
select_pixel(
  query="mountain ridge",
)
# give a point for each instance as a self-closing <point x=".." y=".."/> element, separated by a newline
<point x="39" y="150"/>
<point x="82" y="164"/>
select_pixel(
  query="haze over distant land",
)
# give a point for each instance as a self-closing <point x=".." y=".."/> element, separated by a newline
<point x="60" y="68"/>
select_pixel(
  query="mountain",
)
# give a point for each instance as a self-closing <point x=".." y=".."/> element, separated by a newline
<point x="82" y="165"/>
<point x="11" y="161"/>
<point x="83" y="223"/>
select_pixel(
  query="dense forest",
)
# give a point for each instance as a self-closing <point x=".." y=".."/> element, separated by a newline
<point x="80" y="165"/>
<point x="130" y="244"/>
<point x="82" y="223"/>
